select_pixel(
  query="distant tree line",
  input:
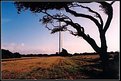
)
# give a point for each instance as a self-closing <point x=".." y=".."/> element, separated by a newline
<point x="7" y="54"/>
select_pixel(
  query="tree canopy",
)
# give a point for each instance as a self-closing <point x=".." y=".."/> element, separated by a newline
<point x="43" y="7"/>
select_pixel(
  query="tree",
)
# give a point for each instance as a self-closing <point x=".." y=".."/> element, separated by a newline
<point x="44" y="7"/>
<point x="64" y="52"/>
<point x="6" y="54"/>
<point x="16" y="55"/>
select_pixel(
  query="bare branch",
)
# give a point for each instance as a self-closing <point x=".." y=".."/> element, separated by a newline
<point x="90" y="10"/>
<point x="73" y="33"/>
<point x="82" y="15"/>
<point x="110" y="16"/>
<point x="54" y="25"/>
<point x="66" y="17"/>
<point x="97" y="14"/>
<point x="48" y="27"/>
<point x="112" y="2"/>
<point x="108" y="22"/>
<point x="92" y="42"/>
<point x="80" y="32"/>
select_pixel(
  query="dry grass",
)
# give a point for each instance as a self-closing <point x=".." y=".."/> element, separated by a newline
<point x="54" y="67"/>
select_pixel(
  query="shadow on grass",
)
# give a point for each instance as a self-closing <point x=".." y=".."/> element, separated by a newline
<point x="94" y="71"/>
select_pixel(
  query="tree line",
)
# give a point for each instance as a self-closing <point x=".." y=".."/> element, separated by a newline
<point x="8" y="54"/>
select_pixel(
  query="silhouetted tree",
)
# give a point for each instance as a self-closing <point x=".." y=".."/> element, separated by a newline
<point x="16" y="55"/>
<point x="64" y="52"/>
<point x="7" y="54"/>
<point x="48" y="18"/>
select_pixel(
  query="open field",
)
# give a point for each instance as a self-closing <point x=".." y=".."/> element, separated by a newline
<point x="54" y="67"/>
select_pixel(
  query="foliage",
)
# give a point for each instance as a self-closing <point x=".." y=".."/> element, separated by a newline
<point x="8" y="54"/>
<point x="48" y="18"/>
<point x="38" y="7"/>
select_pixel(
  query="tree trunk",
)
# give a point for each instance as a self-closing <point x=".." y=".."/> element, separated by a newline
<point x="103" y="54"/>
<point x="105" y="61"/>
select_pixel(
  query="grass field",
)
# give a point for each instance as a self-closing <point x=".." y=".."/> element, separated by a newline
<point x="54" y="67"/>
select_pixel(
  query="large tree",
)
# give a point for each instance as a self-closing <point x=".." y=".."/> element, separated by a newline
<point x="48" y="18"/>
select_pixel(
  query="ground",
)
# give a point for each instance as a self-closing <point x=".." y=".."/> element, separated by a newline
<point x="54" y="67"/>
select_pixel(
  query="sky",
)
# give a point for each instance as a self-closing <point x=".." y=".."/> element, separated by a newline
<point x="24" y="33"/>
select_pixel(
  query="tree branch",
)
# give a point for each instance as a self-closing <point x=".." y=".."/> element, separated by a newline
<point x="80" y="32"/>
<point x="54" y="25"/>
<point x="73" y="33"/>
<point x="90" y="10"/>
<point x="97" y="14"/>
<point x="112" y="2"/>
<point x="82" y="15"/>
<point x="92" y="42"/>
<point x="110" y="16"/>
<point x="48" y="27"/>
<point x="108" y="23"/>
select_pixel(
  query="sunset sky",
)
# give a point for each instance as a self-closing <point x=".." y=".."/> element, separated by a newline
<point x="24" y="33"/>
